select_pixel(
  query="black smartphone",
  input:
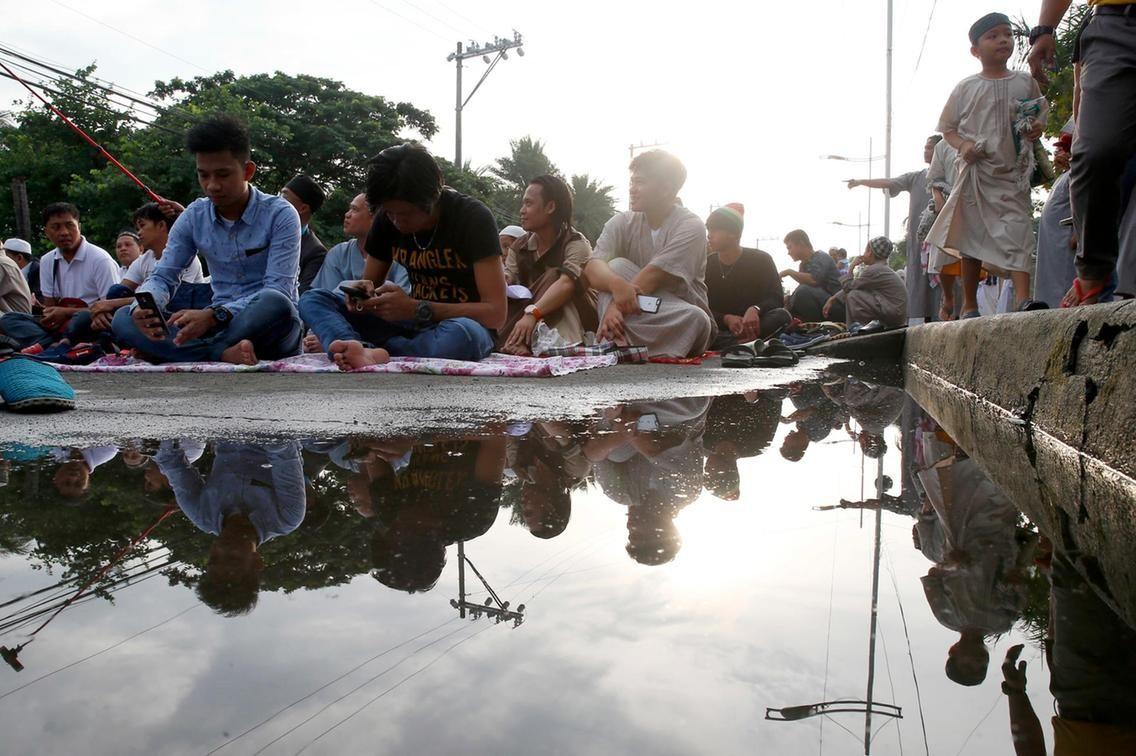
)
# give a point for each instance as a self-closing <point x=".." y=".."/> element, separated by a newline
<point x="146" y="301"/>
<point x="354" y="292"/>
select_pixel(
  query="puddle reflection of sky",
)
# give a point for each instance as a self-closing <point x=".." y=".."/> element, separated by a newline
<point x="766" y="603"/>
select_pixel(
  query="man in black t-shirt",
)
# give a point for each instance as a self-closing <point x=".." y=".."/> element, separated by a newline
<point x="744" y="289"/>
<point x="817" y="279"/>
<point x="448" y="244"/>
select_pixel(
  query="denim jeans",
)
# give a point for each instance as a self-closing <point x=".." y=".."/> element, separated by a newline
<point x="327" y="315"/>
<point x="26" y="330"/>
<point x="269" y="321"/>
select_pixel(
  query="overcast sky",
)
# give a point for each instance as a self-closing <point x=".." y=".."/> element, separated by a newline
<point x="749" y="95"/>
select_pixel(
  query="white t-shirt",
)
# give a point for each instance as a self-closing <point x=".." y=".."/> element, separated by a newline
<point x="143" y="267"/>
<point x="87" y="277"/>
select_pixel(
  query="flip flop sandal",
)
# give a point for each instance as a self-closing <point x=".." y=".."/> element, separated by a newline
<point x="742" y="355"/>
<point x="1030" y="305"/>
<point x="776" y="354"/>
<point x="970" y="315"/>
<point x="30" y="386"/>
<point x="1079" y="295"/>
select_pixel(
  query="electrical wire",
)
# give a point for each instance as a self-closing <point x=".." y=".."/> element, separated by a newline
<point x="398" y="684"/>
<point x="139" y="40"/>
<point x="122" y="642"/>
<point x="410" y="21"/>
<point x="278" y="712"/>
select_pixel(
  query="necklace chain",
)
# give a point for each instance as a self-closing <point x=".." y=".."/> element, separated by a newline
<point x="429" y="244"/>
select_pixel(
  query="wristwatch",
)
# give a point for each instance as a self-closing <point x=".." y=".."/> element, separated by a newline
<point x="535" y="312"/>
<point x="423" y="314"/>
<point x="1038" y="32"/>
<point x="221" y="315"/>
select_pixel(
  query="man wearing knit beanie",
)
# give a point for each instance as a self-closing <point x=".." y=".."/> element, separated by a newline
<point x="304" y="194"/>
<point x="873" y="291"/>
<point x="745" y="291"/>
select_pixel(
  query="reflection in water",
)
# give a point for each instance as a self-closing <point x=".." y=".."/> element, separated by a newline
<point x="648" y="457"/>
<point x="238" y="521"/>
<point x="251" y="495"/>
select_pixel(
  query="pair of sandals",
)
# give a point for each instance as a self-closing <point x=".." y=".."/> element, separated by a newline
<point x="772" y="353"/>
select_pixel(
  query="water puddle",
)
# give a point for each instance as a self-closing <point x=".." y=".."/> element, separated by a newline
<point x="671" y="577"/>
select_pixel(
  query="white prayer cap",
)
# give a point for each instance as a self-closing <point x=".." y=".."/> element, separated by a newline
<point x="514" y="231"/>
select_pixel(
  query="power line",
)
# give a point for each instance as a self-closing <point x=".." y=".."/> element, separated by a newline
<point x="410" y="21"/>
<point x="464" y="18"/>
<point x="99" y="83"/>
<point x="923" y="44"/>
<point x="139" y="40"/>
<point x="422" y="10"/>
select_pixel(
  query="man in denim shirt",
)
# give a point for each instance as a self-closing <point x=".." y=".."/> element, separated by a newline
<point x="251" y="241"/>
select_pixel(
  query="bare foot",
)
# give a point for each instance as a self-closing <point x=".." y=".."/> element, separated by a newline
<point x="352" y="355"/>
<point x="240" y="353"/>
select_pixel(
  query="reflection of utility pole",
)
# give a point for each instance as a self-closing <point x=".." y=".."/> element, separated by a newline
<point x="868" y="707"/>
<point x="499" y="45"/>
<point x="499" y="613"/>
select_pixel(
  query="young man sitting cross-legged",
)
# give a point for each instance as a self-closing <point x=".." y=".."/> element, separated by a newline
<point x="448" y="244"/>
<point x="251" y="242"/>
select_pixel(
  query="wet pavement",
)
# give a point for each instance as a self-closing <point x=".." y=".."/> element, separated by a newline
<point x="667" y="576"/>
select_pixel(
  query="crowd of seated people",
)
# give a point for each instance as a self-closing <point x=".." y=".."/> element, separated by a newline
<point x="424" y="272"/>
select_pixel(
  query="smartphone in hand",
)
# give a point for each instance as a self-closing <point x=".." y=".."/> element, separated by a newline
<point x="354" y="292"/>
<point x="649" y="304"/>
<point x="146" y="301"/>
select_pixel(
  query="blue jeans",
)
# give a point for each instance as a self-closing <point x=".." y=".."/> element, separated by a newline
<point x="269" y="321"/>
<point x="26" y="330"/>
<point x="327" y="315"/>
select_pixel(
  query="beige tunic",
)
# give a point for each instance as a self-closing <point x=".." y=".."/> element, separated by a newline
<point x="683" y="326"/>
<point x="988" y="216"/>
<point x="521" y="267"/>
<point x="15" y="296"/>
<point x="876" y="293"/>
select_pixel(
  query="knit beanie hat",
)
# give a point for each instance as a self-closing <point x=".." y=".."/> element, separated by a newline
<point x="985" y="24"/>
<point x="729" y="217"/>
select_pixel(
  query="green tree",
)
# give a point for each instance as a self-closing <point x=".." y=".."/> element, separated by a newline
<point x="298" y="124"/>
<point x="1059" y="92"/>
<point x="525" y="161"/>
<point x="593" y="205"/>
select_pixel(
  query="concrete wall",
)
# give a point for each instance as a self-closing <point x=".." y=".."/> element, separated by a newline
<point x="1046" y="404"/>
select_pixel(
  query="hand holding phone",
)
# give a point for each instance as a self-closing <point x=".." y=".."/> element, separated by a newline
<point x="649" y="303"/>
<point x="148" y="304"/>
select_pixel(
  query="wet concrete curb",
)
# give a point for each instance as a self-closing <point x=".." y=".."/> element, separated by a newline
<point x="1071" y="373"/>
<point x="114" y="407"/>
<point x="1045" y="403"/>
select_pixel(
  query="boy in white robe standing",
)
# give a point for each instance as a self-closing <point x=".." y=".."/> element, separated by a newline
<point x="991" y="118"/>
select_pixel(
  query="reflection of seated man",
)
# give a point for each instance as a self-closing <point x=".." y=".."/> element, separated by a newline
<point x="745" y="292"/>
<point x="345" y="261"/>
<point x="737" y="427"/>
<point x="815" y="415"/>
<point x="251" y="242"/>
<point x="72" y="479"/>
<point x="450" y="491"/>
<point x="977" y="586"/>
<point x="657" y="248"/>
<point x="548" y="260"/>
<point x="252" y="494"/>
<point x="650" y="461"/>
<point x="817" y="279"/>
<point x="873" y="407"/>
<point x="549" y="462"/>
<point x="448" y="244"/>
<point x="1091" y="655"/>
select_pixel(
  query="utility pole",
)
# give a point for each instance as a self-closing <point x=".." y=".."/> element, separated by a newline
<point x="887" y="132"/>
<point x="20" y="204"/>
<point x="499" y="45"/>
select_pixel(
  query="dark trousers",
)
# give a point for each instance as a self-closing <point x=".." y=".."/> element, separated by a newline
<point x="1104" y="141"/>
<point x="771" y="322"/>
<point x="806" y="303"/>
